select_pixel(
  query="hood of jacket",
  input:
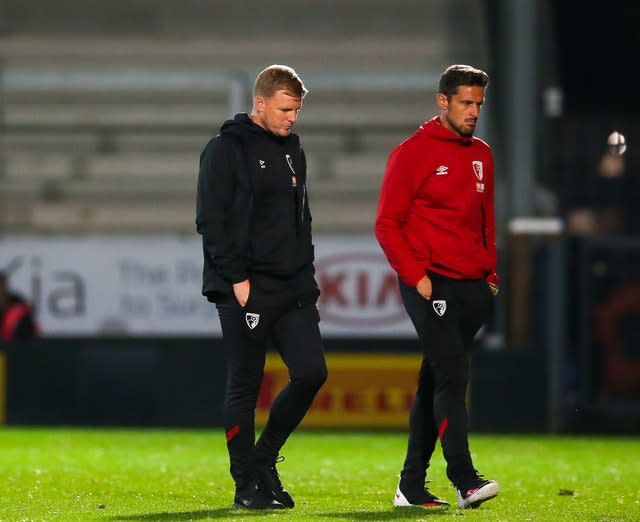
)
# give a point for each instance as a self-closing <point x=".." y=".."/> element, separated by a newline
<point x="241" y="126"/>
<point x="433" y="129"/>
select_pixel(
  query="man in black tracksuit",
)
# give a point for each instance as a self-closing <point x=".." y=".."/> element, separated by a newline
<point x="253" y="215"/>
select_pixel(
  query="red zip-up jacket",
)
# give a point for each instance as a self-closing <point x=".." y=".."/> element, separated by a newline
<point x="436" y="209"/>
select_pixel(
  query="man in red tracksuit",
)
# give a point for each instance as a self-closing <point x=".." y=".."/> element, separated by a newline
<point x="17" y="318"/>
<point x="436" y="225"/>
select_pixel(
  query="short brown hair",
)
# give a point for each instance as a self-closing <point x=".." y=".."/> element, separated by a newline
<point x="279" y="78"/>
<point x="457" y="75"/>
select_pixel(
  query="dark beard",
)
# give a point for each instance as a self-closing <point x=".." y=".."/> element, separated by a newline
<point x="460" y="131"/>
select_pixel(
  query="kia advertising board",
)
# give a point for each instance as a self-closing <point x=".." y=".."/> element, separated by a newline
<point x="150" y="286"/>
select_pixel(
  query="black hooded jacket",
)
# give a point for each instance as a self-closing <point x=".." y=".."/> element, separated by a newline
<point x="253" y="212"/>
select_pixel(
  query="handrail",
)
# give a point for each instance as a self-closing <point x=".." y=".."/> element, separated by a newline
<point x="43" y="79"/>
<point x="105" y="133"/>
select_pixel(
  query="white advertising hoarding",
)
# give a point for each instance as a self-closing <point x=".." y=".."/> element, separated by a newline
<point x="151" y="286"/>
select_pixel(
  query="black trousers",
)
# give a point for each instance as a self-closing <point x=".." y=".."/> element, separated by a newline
<point x="446" y="326"/>
<point x="296" y="337"/>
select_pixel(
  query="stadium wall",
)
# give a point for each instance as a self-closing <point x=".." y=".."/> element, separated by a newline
<point x="179" y="382"/>
<point x="562" y="355"/>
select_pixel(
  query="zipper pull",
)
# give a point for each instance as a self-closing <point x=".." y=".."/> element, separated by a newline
<point x="294" y="181"/>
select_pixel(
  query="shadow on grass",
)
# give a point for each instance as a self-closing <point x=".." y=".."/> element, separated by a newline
<point x="405" y="513"/>
<point x="202" y="514"/>
<point x="408" y="513"/>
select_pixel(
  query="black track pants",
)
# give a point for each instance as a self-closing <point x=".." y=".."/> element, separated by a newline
<point x="296" y="336"/>
<point x="446" y="326"/>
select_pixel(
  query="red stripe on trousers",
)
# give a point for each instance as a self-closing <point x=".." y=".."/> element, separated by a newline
<point x="233" y="432"/>
<point x="443" y="427"/>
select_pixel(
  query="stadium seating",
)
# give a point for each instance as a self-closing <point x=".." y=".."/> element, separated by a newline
<point x="101" y="132"/>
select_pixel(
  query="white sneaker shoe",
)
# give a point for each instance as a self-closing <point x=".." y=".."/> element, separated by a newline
<point x="479" y="492"/>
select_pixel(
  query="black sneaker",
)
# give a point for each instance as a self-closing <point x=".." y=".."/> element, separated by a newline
<point x="255" y="499"/>
<point x="475" y="490"/>
<point x="420" y="496"/>
<point x="269" y="483"/>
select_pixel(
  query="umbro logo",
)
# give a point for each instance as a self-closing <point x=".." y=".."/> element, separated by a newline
<point x="263" y="164"/>
<point x="442" y="170"/>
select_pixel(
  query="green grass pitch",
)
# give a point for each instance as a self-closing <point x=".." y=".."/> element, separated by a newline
<point x="178" y="475"/>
